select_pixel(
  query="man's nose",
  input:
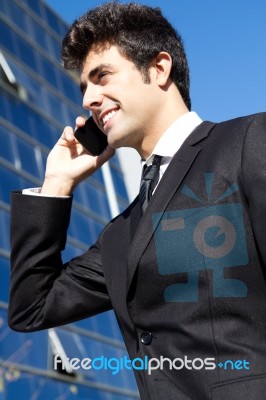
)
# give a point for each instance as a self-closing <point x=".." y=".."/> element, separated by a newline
<point x="92" y="98"/>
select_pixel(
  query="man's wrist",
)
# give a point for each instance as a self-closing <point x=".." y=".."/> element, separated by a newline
<point x="57" y="188"/>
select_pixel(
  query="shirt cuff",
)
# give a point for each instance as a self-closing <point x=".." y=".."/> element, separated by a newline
<point x="37" y="192"/>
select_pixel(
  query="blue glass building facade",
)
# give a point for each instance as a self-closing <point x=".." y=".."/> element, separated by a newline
<point x="37" y="99"/>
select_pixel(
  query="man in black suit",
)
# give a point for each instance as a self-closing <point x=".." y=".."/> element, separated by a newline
<point x="184" y="270"/>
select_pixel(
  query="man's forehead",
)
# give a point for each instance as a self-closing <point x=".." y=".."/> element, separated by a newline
<point x="98" y="52"/>
<point x="100" y="56"/>
<point x="94" y="57"/>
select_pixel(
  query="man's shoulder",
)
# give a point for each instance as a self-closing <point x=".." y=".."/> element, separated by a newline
<point x="244" y="120"/>
<point x="237" y="128"/>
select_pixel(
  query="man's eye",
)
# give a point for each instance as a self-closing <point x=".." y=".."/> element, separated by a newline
<point x="102" y="75"/>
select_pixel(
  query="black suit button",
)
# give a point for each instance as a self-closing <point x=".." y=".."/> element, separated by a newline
<point x="146" y="337"/>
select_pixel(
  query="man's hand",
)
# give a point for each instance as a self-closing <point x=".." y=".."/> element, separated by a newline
<point x="69" y="163"/>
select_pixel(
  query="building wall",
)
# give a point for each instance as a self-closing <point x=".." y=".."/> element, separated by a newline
<point x="37" y="99"/>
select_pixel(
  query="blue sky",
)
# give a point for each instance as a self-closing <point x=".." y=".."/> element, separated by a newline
<point x="225" y="43"/>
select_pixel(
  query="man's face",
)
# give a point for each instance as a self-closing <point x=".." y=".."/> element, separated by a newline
<point x="122" y="104"/>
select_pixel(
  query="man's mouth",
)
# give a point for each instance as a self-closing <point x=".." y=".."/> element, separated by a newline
<point x="106" y="116"/>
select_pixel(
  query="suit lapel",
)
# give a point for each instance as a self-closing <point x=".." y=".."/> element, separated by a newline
<point x="167" y="187"/>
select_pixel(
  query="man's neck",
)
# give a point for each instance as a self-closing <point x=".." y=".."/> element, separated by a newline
<point x="150" y="141"/>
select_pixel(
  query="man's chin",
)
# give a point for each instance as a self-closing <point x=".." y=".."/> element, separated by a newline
<point x="115" y="143"/>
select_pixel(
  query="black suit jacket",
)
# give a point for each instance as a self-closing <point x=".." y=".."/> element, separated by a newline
<point x="186" y="283"/>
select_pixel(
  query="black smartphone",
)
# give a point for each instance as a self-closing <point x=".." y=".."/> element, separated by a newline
<point x="91" y="137"/>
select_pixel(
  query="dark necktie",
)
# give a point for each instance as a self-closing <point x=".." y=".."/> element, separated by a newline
<point x="149" y="180"/>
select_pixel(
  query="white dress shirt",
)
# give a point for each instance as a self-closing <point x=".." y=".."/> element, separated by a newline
<point x="172" y="139"/>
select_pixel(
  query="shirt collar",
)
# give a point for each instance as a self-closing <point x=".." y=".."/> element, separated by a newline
<point x="173" y="138"/>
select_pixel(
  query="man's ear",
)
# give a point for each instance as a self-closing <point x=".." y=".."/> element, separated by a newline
<point x="161" y="66"/>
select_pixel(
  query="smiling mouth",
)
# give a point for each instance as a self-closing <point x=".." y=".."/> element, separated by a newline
<point x="108" y="116"/>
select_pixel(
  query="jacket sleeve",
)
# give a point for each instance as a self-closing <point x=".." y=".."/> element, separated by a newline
<point x="45" y="293"/>
<point x="253" y="175"/>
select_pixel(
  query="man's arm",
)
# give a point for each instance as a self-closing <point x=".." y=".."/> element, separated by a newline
<point x="253" y="175"/>
<point x="44" y="292"/>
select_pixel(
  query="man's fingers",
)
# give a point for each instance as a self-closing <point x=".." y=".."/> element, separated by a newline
<point x="80" y="121"/>
<point x="68" y="134"/>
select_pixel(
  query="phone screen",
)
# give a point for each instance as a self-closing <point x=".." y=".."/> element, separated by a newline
<point x="91" y="137"/>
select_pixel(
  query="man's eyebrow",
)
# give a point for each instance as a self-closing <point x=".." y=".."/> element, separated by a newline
<point x="99" y="68"/>
<point x="93" y="73"/>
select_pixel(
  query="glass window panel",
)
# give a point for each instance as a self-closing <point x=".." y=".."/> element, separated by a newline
<point x="36" y="387"/>
<point x="88" y="323"/>
<point x="49" y="72"/>
<point x="43" y="131"/>
<point x="95" y="323"/>
<point x="4" y="6"/>
<point x="118" y="180"/>
<point x="98" y="176"/>
<point x="52" y="20"/>
<point x="115" y="332"/>
<point x="79" y="195"/>
<point x="40" y="36"/>
<point x="28" y="120"/>
<point x="19" y="16"/>
<point x="6" y="37"/>
<point x="55" y="107"/>
<point x="81" y="227"/>
<point x="63" y="28"/>
<point x="26" y="183"/>
<point x="22" y="348"/>
<point x="115" y="161"/>
<point x="53" y="47"/>
<point x="104" y="323"/>
<point x="19" y="385"/>
<point x="27" y="157"/>
<point x="3" y="108"/>
<point x="32" y="386"/>
<point x="26" y="53"/>
<point x="79" y="346"/>
<point x="70" y="116"/>
<point x="34" y="90"/>
<point x="70" y="89"/>
<point x="102" y="205"/>
<point x="6" y="146"/>
<point x="17" y="113"/>
<point x="41" y="161"/>
<point x="4" y="229"/>
<point x="97" y="228"/>
<point x="8" y="181"/>
<point x="70" y="252"/>
<point x="11" y="181"/>
<point x="36" y="6"/>
<point x="56" y="48"/>
<point x="5" y="278"/>
<point x="95" y="199"/>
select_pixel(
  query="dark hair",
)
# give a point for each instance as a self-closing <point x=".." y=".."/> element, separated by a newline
<point x="140" y="33"/>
